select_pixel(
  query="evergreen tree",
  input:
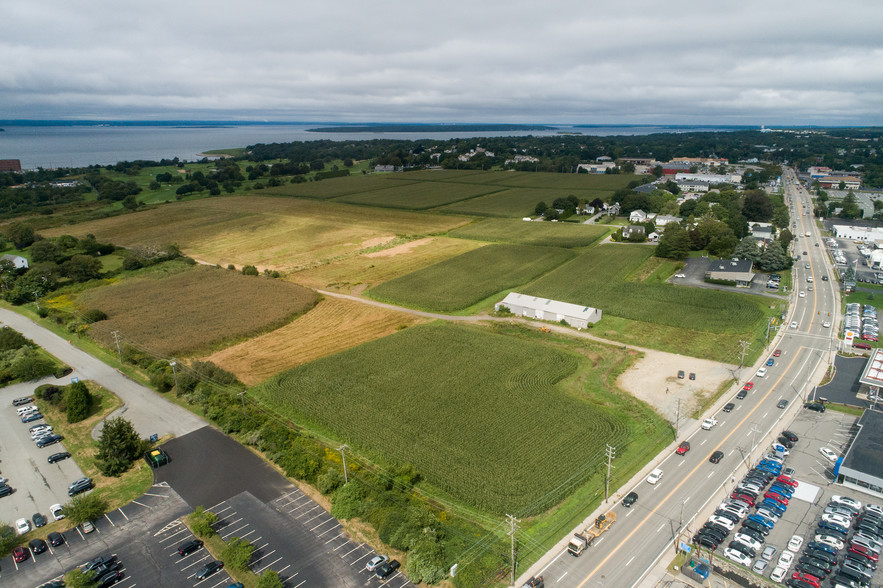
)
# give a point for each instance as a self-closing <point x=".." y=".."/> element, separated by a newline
<point x="118" y="446"/>
<point x="78" y="400"/>
<point x="773" y="258"/>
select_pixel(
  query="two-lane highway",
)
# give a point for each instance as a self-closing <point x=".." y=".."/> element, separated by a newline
<point x="645" y="533"/>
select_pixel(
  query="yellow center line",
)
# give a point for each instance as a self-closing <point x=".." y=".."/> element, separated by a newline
<point x="687" y="477"/>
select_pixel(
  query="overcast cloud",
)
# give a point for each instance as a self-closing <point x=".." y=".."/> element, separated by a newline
<point x="696" y="62"/>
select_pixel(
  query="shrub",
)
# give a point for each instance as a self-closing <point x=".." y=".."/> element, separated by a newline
<point x="29" y="365"/>
<point x="201" y="522"/>
<point x="250" y="270"/>
<point x="270" y="579"/>
<point x="94" y="315"/>
<point x="84" y="507"/>
<point x="11" y="339"/>
<point x="329" y="481"/>
<point x="79" y="401"/>
<point x="237" y="553"/>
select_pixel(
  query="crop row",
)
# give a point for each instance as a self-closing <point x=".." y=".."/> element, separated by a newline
<point x="480" y="415"/>
<point x="464" y="280"/>
<point x="531" y="233"/>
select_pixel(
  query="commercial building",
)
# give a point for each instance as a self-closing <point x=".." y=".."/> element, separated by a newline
<point x="849" y="182"/>
<point x="854" y="233"/>
<point x="550" y="310"/>
<point x="10" y="165"/>
<point x="862" y="465"/>
<point x="731" y="270"/>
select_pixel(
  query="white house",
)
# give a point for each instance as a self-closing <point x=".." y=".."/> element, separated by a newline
<point x="639" y="216"/>
<point x="664" y="219"/>
<point x="550" y="310"/>
<point x="17" y="260"/>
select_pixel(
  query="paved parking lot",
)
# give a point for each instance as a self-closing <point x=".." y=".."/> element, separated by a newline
<point x="37" y="484"/>
<point x="130" y="533"/>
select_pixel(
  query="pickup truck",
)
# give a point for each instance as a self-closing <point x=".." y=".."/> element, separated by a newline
<point x="708" y="423"/>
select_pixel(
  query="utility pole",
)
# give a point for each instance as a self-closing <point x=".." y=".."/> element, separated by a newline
<point x="745" y="346"/>
<point x="37" y="298"/>
<point x="241" y="397"/>
<point x="611" y="453"/>
<point x="116" y="338"/>
<point x="513" y="526"/>
<point x="769" y="325"/>
<point x="173" y="363"/>
<point x="343" y="456"/>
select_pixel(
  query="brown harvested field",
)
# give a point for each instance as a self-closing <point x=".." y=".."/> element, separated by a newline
<point x="332" y="326"/>
<point x="195" y="310"/>
<point x="270" y="233"/>
<point x="357" y="273"/>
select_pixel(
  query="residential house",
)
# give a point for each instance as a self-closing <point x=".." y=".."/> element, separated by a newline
<point x="17" y="260"/>
<point x="638" y="216"/>
<point x="633" y="232"/>
<point x="664" y="219"/>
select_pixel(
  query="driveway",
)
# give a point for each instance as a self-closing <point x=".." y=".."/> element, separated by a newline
<point x="845" y="385"/>
<point x="148" y="411"/>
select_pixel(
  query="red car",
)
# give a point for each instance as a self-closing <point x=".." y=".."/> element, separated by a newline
<point x="862" y="550"/>
<point x="748" y="386"/>
<point x="777" y="497"/>
<point x="787" y="481"/>
<point x="808" y="578"/>
<point x="777" y="353"/>
<point x="683" y="448"/>
<point x="19" y="554"/>
<point x="743" y="497"/>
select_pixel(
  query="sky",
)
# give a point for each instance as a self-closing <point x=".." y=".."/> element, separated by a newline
<point x="628" y="62"/>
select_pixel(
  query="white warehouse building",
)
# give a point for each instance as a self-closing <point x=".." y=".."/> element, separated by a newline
<point x="858" y="233"/>
<point x="550" y="310"/>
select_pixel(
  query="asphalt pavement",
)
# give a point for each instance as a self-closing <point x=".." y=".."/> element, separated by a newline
<point x="147" y="410"/>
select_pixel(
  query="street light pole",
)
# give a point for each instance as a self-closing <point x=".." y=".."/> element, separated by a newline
<point x="173" y="363"/>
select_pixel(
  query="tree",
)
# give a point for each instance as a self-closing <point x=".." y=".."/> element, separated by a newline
<point x="773" y="258"/>
<point x="237" y="553"/>
<point x="270" y="579"/>
<point x="79" y="401"/>
<point x="118" y="446"/>
<point x="747" y="249"/>
<point x="250" y="270"/>
<point x="674" y="242"/>
<point x="45" y="250"/>
<point x="84" y="507"/>
<point x="757" y="206"/>
<point x="849" y="207"/>
<point x="201" y="522"/>
<point x="81" y="268"/>
<point x="658" y="171"/>
<point x="130" y="202"/>
<point x="77" y="578"/>
<point x="21" y="235"/>
<point x="540" y="208"/>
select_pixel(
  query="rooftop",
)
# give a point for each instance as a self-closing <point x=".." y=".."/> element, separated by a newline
<point x="731" y="266"/>
<point x="873" y="372"/>
<point x="866" y="452"/>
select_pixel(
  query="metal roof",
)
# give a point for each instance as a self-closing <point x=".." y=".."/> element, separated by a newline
<point x="865" y="455"/>
<point x="873" y="372"/>
<point x="544" y="304"/>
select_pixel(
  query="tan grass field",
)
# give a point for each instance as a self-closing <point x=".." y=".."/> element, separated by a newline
<point x="332" y="326"/>
<point x="270" y="233"/>
<point x="357" y="273"/>
<point x="195" y="310"/>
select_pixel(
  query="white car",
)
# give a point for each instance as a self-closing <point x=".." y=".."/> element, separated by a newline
<point x="786" y="559"/>
<point x="88" y="527"/>
<point x="22" y="526"/>
<point x="737" y="556"/>
<point x="708" y="423"/>
<point x="795" y="543"/>
<point x="829" y="454"/>
<point x="874" y="508"/>
<point x="778" y="574"/>
<point x="680" y="275"/>
<point x="802" y="294"/>
<point x="57" y="512"/>
<point x="826" y="324"/>
<point x="723" y="522"/>
<point x="375" y="562"/>
<point x="793" y="324"/>
<point x="847" y="502"/>
<point x="761" y="372"/>
<point x="654" y="476"/>
<point x="837" y="520"/>
<point x="737" y="509"/>
<point x="830" y="540"/>
<point x="749" y="541"/>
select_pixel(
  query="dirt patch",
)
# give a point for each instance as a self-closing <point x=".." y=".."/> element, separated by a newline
<point x="654" y="379"/>
<point x="400" y="249"/>
<point x="376" y="241"/>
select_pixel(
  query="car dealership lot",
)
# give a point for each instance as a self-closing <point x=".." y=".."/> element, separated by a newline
<point x="37" y="484"/>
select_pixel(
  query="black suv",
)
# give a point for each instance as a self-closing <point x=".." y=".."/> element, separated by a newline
<point x="387" y="569"/>
<point x="816" y="406"/>
<point x="189" y="547"/>
<point x="630" y="499"/>
<point x="58" y="456"/>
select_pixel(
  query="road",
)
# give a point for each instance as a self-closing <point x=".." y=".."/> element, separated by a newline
<point x="145" y="409"/>
<point x="645" y="534"/>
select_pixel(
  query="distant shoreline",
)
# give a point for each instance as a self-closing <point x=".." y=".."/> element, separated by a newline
<point x="429" y="128"/>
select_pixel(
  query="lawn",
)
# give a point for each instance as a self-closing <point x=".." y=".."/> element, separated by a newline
<point x="332" y="326"/>
<point x="194" y="310"/>
<point x="79" y="443"/>
<point x="519" y="202"/>
<point x="531" y="233"/>
<point x="467" y="279"/>
<point x="275" y="233"/>
<point x="354" y="274"/>
<point x="467" y="408"/>
<point x="335" y="187"/>
<point x="418" y="195"/>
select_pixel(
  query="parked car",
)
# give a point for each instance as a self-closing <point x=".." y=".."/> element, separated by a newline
<point x="729" y="406"/>
<point x="20" y="554"/>
<point x="22" y="526"/>
<point x="189" y="547"/>
<point x="56" y="511"/>
<point x="795" y="543"/>
<point x="828" y="454"/>
<point x="37" y="546"/>
<point x="816" y="406"/>
<point x="56" y="457"/>
<point x="55" y="539"/>
<point x="209" y="569"/>
<point x="375" y="562"/>
<point x="79" y="486"/>
<point x="387" y="569"/>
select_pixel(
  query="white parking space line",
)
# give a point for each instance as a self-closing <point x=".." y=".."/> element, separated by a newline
<point x="140" y="504"/>
<point x="764" y="415"/>
<point x="260" y="571"/>
<point x="361" y="558"/>
<point x="212" y="508"/>
<point x="283" y="569"/>
<point x="322" y="523"/>
<point x="322" y="512"/>
<point x="182" y="531"/>
<point x="108" y="520"/>
<point x="122" y="513"/>
<point x="345" y="542"/>
<point x="596" y="542"/>
<point x="732" y="451"/>
<point x="356" y="548"/>
<point x="245" y="526"/>
<point x="158" y="495"/>
<point x="299" y="585"/>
